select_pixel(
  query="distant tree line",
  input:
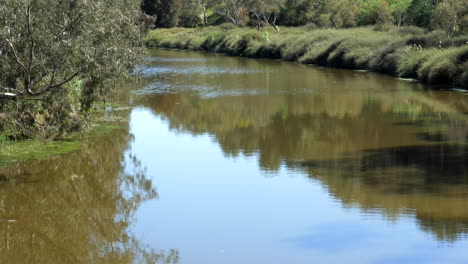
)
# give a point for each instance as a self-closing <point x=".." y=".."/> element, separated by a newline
<point x="448" y="15"/>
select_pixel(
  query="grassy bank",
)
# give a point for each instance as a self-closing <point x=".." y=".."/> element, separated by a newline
<point x="406" y="52"/>
<point x="13" y="151"/>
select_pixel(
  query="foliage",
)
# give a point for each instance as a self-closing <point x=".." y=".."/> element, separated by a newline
<point x="57" y="58"/>
<point x="342" y="13"/>
<point x="384" y="13"/>
<point x="266" y="11"/>
<point x="235" y="11"/>
<point x="189" y="14"/>
<point x="167" y="12"/>
<point x="449" y="15"/>
<point x="12" y="152"/>
<point x="420" y="12"/>
<point x="297" y="13"/>
<point x="400" y="10"/>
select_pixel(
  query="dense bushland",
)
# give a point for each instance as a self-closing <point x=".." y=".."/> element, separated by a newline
<point x="450" y="16"/>
<point x="406" y="52"/>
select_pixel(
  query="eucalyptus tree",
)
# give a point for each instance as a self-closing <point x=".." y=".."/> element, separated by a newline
<point x="342" y="13"/>
<point x="400" y="10"/>
<point x="235" y="11"/>
<point x="205" y="5"/>
<point x="450" y="15"/>
<point x="58" y="57"/>
<point x="190" y="14"/>
<point x="168" y="12"/>
<point x="267" y="10"/>
<point x="420" y="12"/>
<point x="385" y="12"/>
<point x="298" y="12"/>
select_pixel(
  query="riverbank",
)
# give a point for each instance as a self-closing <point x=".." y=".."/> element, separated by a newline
<point x="14" y="151"/>
<point x="404" y="52"/>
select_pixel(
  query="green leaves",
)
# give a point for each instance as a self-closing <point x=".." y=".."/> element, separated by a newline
<point x="44" y="45"/>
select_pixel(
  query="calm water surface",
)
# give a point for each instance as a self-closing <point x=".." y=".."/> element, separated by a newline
<point x="230" y="160"/>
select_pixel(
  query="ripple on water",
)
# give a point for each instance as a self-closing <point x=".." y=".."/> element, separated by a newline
<point x="199" y="90"/>
<point x="163" y="59"/>
<point x="191" y="70"/>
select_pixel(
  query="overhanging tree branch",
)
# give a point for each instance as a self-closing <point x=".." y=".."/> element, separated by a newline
<point x="9" y="96"/>
<point x="69" y="79"/>
<point x="50" y="87"/>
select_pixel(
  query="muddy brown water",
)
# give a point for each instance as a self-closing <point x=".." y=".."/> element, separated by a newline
<point x="231" y="160"/>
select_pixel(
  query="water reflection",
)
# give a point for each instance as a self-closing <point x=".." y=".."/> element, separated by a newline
<point x="354" y="145"/>
<point x="382" y="144"/>
<point x="430" y="181"/>
<point x="77" y="208"/>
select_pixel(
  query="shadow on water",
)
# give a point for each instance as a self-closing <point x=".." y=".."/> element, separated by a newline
<point x="78" y="207"/>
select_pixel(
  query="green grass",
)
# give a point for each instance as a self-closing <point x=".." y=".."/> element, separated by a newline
<point x="13" y="151"/>
<point x="445" y="65"/>
<point x="16" y="151"/>
<point x="406" y="52"/>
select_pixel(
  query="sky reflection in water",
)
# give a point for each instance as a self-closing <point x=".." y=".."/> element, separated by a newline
<point x="231" y="160"/>
<point x="350" y="169"/>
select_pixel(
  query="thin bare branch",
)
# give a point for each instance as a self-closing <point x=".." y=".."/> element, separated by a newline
<point x="16" y="55"/>
<point x="69" y="79"/>
<point x="33" y="84"/>
<point x="54" y="71"/>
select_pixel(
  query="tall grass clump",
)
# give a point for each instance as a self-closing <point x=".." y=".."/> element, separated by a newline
<point x="242" y="42"/>
<point x="407" y="52"/>
<point x="444" y="66"/>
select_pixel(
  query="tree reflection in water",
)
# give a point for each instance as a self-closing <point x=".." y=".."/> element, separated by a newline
<point x="429" y="182"/>
<point x="417" y="159"/>
<point x="77" y="208"/>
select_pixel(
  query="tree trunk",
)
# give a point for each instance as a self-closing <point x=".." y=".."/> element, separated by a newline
<point x="275" y="27"/>
<point x="205" y="17"/>
<point x="273" y="23"/>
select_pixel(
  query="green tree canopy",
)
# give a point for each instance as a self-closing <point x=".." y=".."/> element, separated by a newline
<point x="58" y="57"/>
<point x="450" y="15"/>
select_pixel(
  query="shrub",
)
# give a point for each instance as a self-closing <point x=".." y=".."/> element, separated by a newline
<point x="385" y="27"/>
<point x="212" y="40"/>
<point x="411" y="61"/>
<point x="444" y="66"/>
<point x="310" y="26"/>
<point x="227" y="26"/>
<point x="411" y="30"/>
<point x="238" y="41"/>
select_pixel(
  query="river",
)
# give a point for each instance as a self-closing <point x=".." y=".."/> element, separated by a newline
<point x="225" y="160"/>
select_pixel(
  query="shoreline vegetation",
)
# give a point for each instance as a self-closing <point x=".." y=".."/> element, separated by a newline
<point x="59" y="59"/>
<point x="13" y="151"/>
<point x="404" y="52"/>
